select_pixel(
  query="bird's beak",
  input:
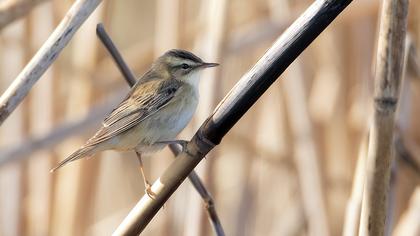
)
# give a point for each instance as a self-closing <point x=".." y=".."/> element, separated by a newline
<point x="207" y="65"/>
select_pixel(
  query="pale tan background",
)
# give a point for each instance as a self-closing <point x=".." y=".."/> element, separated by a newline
<point x="287" y="165"/>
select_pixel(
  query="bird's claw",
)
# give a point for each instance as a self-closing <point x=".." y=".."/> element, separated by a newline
<point x="149" y="192"/>
<point x="182" y="143"/>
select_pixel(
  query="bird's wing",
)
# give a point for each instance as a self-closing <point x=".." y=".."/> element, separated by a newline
<point x="142" y="102"/>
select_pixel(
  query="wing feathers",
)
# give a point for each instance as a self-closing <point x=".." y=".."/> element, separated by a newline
<point x="145" y="101"/>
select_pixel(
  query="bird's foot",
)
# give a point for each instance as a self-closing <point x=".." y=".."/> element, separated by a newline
<point x="182" y="143"/>
<point x="148" y="190"/>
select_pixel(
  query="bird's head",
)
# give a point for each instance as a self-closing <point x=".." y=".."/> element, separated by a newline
<point x="181" y="65"/>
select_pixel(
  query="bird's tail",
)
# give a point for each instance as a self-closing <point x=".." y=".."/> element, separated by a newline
<point x="82" y="152"/>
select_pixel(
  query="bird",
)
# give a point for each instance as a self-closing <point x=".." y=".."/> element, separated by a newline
<point x="156" y="109"/>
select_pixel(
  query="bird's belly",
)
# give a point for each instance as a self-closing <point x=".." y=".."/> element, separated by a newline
<point x="164" y="125"/>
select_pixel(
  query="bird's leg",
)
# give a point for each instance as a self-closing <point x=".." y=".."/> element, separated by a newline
<point x="147" y="185"/>
<point x="182" y="143"/>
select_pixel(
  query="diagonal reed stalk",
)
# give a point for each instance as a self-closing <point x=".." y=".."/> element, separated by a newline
<point x="46" y="55"/>
<point x="236" y="103"/>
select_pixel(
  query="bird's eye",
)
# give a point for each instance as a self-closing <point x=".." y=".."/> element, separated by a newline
<point x="185" y="66"/>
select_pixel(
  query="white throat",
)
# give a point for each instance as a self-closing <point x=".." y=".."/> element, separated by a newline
<point x="193" y="79"/>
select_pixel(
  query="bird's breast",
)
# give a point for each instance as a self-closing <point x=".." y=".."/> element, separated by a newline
<point x="180" y="112"/>
<point x="165" y="124"/>
<point x="173" y="118"/>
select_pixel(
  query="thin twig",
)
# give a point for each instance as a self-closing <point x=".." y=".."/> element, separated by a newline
<point x="389" y="63"/>
<point x="45" y="56"/>
<point x="193" y="177"/>
<point x="112" y="49"/>
<point x="238" y="101"/>
<point x="205" y="195"/>
<point x="10" y="11"/>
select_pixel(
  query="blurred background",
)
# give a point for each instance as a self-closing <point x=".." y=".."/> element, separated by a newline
<point x="289" y="167"/>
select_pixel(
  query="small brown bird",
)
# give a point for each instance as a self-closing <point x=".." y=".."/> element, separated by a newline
<point x="155" y="111"/>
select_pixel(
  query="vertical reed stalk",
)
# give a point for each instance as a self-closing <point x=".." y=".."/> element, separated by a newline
<point x="389" y="64"/>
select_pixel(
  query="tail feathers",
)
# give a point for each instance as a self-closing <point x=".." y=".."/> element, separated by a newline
<point x="82" y="152"/>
